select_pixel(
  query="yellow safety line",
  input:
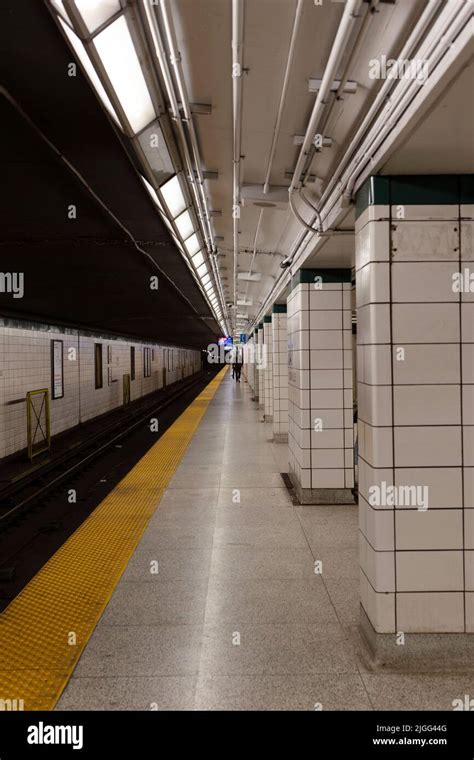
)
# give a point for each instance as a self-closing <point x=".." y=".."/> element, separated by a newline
<point x="45" y="628"/>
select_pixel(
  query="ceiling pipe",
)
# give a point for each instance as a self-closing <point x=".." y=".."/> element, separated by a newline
<point x="457" y="17"/>
<point x="346" y="25"/>
<point x="286" y="79"/>
<point x="254" y="252"/>
<point x="175" y="109"/>
<point x="237" y="57"/>
<point x="175" y="58"/>
<point x="338" y="95"/>
<point x="371" y="10"/>
<point x="407" y="52"/>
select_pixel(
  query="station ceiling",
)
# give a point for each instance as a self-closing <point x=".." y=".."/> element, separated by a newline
<point x="87" y="271"/>
<point x="84" y="270"/>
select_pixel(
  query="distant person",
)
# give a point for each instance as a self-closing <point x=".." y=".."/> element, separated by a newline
<point x="237" y="365"/>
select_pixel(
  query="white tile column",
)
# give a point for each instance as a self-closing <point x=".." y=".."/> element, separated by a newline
<point x="280" y="373"/>
<point x="249" y="365"/>
<point x="260" y="367"/>
<point x="268" y="372"/>
<point x="320" y="406"/>
<point x="415" y="367"/>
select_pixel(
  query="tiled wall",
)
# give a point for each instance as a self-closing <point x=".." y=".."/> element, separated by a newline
<point x="416" y="417"/>
<point x="280" y="376"/>
<point x="25" y="351"/>
<point x="320" y="385"/>
<point x="268" y="376"/>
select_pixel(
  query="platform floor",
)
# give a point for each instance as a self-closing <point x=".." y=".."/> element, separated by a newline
<point x="236" y="618"/>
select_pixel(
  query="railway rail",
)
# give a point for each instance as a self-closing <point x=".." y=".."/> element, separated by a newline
<point x="36" y="516"/>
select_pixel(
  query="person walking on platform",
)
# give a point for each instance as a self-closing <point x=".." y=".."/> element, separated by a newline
<point x="237" y="365"/>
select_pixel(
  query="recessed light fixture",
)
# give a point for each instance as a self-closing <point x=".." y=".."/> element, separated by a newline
<point x="120" y="60"/>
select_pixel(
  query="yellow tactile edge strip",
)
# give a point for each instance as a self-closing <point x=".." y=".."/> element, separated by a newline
<point x="64" y="601"/>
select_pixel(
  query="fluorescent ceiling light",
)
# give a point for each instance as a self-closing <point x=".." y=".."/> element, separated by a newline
<point x="173" y="196"/>
<point x="96" y="12"/>
<point x="250" y="276"/>
<point x="81" y="53"/>
<point x="209" y="287"/>
<point x="202" y="270"/>
<point x="192" y="244"/>
<point x="198" y="259"/>
<point x="205" y="280"/>
<point x="119" y="57"/>
<point x="156" y="152"/>
<point x="184" y="223"/>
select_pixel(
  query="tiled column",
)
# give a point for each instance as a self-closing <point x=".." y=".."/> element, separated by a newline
<point x="260" y="367"/>
<point x="268" y="379"/>
<point x="320" y="407"/>
<point x="252" y="360"/>
<point x="415" y="367"/>
<point x="248" y="363"/>
<point x="280" y="373"/>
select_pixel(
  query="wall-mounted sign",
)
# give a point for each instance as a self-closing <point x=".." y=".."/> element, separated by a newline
<point x="57" y="369"/>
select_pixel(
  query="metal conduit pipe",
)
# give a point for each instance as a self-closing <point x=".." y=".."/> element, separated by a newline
<point x="406" y="52"/>
<point x="337" y="96"/>
<point x="178" y="70"/>
<point x="163" y="60"/>
<point x="175" y="58"/>
<point x="286" y="79"/>
<point x="237" y="55"/>
<point x="432" y="52"/>
<point x="344" y="31"/>
<point x="254" y="252"/>
<point x="440" y="41"/>
<point x="357" y="45"/>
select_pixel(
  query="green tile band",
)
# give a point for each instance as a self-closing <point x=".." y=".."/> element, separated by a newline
<point x="415" y="189"/>
<point x="279" y="308"/>
<point x="306" y="276"/>
<point x="267" y="319"/>
<point x="375" y="190"/>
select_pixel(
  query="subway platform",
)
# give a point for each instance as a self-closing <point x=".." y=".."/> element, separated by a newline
<point x="220" y="606"/>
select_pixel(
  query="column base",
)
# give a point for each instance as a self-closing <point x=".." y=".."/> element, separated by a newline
<point x="321" y="495"/>
<point x="421" y="652"/>
<point x="280" y="437"/>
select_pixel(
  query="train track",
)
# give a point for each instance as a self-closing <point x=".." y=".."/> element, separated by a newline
<point x="35" y="515"/>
